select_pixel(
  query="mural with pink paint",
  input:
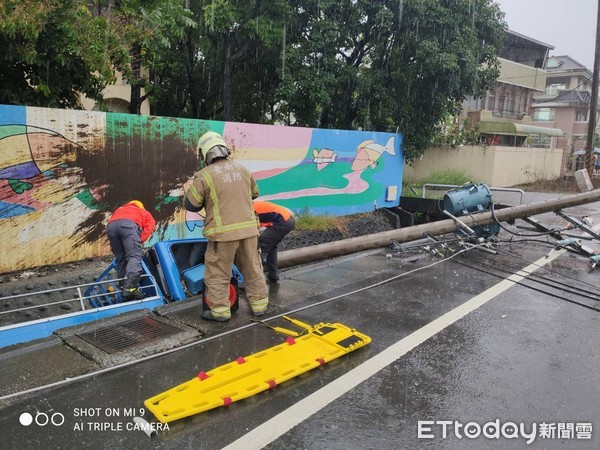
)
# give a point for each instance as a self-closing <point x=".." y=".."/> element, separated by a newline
<point x="267" y="150"/>
<point x="62" y="172"/>
<point x="342" y="172"/>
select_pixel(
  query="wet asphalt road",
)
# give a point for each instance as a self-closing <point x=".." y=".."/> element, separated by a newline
<point x="524" y="354"/>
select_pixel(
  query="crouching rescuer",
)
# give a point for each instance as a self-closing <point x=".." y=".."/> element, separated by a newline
<point x="277" y="222"/>
<point x="128" y="227"/>
<point x="225" y="190"/>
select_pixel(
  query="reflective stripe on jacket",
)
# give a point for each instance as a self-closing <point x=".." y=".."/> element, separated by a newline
<point x="225" y="189"/>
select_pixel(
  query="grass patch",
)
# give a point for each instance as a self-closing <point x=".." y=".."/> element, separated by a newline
<point x="450" y="176"/>
<point x="309" y="222"/>
<point x="453" y="177"/>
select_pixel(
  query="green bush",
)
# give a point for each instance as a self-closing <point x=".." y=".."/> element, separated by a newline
<point x="453" y="177"/>
<point x="450" y="176"/>
<point x="306" y="221"/>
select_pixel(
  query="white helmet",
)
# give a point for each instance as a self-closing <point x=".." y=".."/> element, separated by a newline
<point x="212" y="146"/>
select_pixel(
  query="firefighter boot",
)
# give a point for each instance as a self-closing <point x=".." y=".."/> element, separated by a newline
<point x="131" y="291"/>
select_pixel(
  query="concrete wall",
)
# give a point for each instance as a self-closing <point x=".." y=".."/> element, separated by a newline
<point x="494" y="166"/>
<point x="62" y="173"/>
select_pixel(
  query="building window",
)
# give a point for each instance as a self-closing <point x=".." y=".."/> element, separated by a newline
<point x="540" y="141"/>
<point x="581" y="115"/>
<point x="552" y="89"/>
<point x="543" y="114"/>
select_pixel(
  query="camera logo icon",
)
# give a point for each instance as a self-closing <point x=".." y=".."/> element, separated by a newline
<point x="41" y="419"/>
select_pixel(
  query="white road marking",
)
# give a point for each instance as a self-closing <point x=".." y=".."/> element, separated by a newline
<point x="272" y="429"/>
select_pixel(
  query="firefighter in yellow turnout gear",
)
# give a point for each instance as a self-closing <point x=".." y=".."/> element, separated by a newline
<point x="225" y="190"/>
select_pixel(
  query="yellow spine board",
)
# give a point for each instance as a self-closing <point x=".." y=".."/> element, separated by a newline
<point x="255" y="373"/>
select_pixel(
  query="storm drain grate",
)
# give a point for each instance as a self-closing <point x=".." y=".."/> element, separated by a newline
<point x="116" y="338"/>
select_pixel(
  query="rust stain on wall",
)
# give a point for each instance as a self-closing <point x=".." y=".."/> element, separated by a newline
<point x="141" y="165"/>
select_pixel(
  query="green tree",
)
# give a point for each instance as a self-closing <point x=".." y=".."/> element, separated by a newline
<point x="146" y="30"/>
<point x="226" y="67"/>
<point x="392" y="65"/>
<point x="178" y="78"/>
<point x="53" y="51"/>
<point x="330" y="43"/>
<point x="445" y="52"/>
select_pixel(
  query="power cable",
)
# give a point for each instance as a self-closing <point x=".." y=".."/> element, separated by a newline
<point x="225" y="333"/>
<point x="550" y="270"/>
<point x="545" y="233"/>
<point x="530" y="287"/>
<point x="549" y="282"/>
<point x="548" y="293"/>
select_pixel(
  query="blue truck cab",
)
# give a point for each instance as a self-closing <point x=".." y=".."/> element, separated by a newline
<point x="178" y="268"/>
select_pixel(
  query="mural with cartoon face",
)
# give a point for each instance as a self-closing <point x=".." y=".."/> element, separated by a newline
<point x="32" y="156"/>
<point x="62" y="173"/>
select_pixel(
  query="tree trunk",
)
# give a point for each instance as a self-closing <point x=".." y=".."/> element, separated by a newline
<point x="135" y="103"/>
<point x="227" y="90"/>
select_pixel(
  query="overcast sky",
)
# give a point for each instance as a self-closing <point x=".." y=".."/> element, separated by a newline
<point x="568" y="25"/>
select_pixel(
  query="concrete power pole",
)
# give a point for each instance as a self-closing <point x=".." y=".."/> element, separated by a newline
<point x="589" y="146"/>
<point x="357" y="244"/>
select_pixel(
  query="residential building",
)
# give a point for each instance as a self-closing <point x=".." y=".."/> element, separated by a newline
<point x="565" y="104"/>
<point x="116" y="97"/>
<point x="504" y="113"/>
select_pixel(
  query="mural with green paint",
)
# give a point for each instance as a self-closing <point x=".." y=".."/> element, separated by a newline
<point x="302" y="177"/>
<point x="63" y="172"/>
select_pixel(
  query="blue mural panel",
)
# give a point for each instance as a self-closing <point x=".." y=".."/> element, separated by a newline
<point x="63" y="172"/>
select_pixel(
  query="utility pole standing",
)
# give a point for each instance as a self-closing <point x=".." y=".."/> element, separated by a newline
<point x="589" y="146"/>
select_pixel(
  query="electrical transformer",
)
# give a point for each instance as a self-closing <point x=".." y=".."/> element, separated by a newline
<point x="471" y="199"/>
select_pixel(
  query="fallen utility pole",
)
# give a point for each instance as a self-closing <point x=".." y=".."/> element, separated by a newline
<point x="357" y="244"/>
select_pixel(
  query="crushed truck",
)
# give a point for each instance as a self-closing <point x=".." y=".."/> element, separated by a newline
<point x="173" y="271"/>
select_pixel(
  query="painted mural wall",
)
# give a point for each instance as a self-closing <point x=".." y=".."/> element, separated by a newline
<point x="62" y="172"/>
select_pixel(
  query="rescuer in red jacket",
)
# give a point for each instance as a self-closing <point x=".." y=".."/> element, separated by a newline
<point x="128" y="227"/>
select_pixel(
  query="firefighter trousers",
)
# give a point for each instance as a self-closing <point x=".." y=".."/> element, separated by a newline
<point x="218" y="262"/>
